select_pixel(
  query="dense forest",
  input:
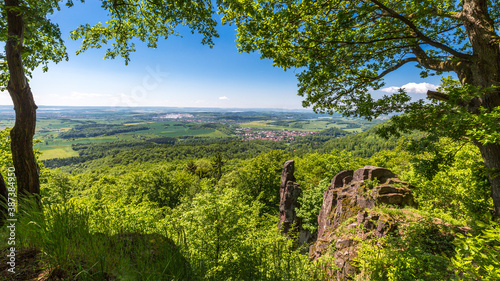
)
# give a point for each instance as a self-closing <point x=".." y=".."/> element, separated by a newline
<point x="93" y="130"/>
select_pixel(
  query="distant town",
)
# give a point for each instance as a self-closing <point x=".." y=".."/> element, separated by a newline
<point x="247" y="134"/>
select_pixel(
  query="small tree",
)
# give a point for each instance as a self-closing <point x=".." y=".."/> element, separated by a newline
<point x="260" y="179"/>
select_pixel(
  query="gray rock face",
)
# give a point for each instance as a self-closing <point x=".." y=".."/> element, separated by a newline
<point x="372" y="172"/>
<point x="349" y="195"/>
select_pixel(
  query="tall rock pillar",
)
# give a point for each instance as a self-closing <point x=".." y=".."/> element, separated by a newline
<point x="290" y="225"/>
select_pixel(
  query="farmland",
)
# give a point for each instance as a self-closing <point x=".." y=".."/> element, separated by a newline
<point x="60" y="128"/>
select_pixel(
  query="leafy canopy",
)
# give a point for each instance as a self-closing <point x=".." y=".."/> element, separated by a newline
<point x="345" y="48"/>
<point x="147" y="21"/>
<point x="42" y="38"/>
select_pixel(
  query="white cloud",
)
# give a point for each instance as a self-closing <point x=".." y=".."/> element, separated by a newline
<point x="223" y="98"/>
<point x="414" y="88"/>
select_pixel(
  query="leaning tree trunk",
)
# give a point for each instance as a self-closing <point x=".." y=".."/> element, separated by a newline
<point x="27" y="171"/>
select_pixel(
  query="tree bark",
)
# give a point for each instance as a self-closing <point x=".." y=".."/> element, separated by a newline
<point x="484" y="71"/>
<point x="491" y="157"/>
<point x="3" y="200"/>
<point x="27" y="170"/>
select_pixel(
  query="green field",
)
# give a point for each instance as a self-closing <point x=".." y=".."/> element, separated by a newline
<point x="60" y="152"/>
<point x="110" y="126"/>
<point x="48" y="131"/>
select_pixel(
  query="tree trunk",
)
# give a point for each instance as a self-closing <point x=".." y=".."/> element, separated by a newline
<point x="27" y="171"/>
<point x="3" y="200"/>
<point x="491" y="157"/>
<point x="484" y="71"/>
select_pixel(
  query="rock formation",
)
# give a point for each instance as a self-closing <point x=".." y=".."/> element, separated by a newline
<point x="289" y="224"/>
<point x="289" y="194"/>
<point x="346" y="205"/>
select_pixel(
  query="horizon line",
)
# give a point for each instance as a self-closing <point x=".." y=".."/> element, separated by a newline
<point x="157" y="106"/>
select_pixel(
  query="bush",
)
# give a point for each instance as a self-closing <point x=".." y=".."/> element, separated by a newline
<point x="225" y="239"/>
<point x="310" y="202"/>
<point x="420" y="252"/>
<point x="478" y="257"/>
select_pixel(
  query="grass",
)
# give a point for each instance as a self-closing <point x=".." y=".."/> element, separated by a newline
<point x="299" y="125"/>
<point x="60" y="152"/>
<point x="64" y="247"/>
<point x="259" y="124"/>
<point x="214" y="134"/>
<point x="71" y="241"/>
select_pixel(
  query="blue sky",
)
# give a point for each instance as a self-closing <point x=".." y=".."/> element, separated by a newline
<point x="181" y="72"/>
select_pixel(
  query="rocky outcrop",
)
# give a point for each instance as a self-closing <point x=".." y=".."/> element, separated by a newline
<point x="289" y="224"/>
<point x="346" y="205"/>
<point x="289" y="194"/>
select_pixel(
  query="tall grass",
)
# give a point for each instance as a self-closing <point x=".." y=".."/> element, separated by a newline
<point x="77" y="244"/>
<point x="71" y="249"/>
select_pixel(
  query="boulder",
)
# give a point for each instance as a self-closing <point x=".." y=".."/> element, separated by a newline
<point x="347" y="203"/>
<point x="342" y="178"/>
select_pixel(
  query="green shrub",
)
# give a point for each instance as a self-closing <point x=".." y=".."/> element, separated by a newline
<point x="478" y="257"/>
<point x="372" y="183"/>
<point x="226" y="239"/>
<point x="420" y="252"/>
<point x="310" y="202"/>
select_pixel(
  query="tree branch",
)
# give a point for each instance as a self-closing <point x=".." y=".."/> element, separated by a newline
<point x="369" y="41"/>
<point x="392" y="68"/>
<point x="434" y="95"/>
<point x="440" y="13"/>
<point x="418" y="33"/>
<point x="381" y="75"/>
<point x="437" y="96"/>
<point x="444" y="14"/>
<point x="432" y="63"/>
